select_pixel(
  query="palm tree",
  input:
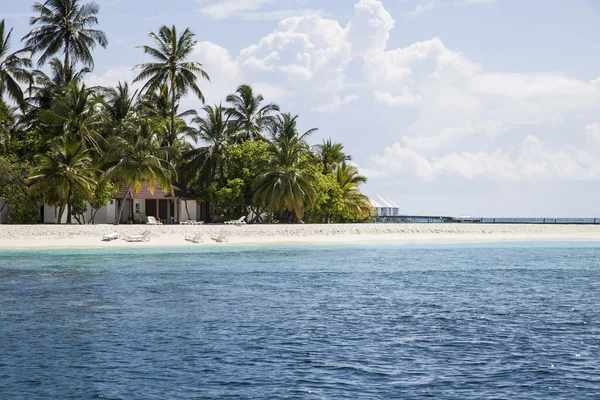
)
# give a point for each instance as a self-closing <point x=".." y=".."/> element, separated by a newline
<point x="285" y="127"/>
<point x="158" y="105"/>
<point x="217" y="132"/>
<point x="78" y="112"/>
<point x="248" y="115"/>
<point x="288" y="183"/>
<point x="172" y="69"/>
<point x="348" y="179"/>
<point x="67" y="168"/>
<point x="138" y="159"/>
<point x="7" y="124"/>
<point x="122" y="109"/>
<point x="12" y="68"/>
<point x="331" y="154"/>
<point x="65" y="26"/>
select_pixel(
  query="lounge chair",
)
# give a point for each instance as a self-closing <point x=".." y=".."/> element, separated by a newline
<point x="221" y="237"/>
<point x="197" y="238"/>
<point x="144" y="237"/>
<point x="191" y="222"/>
<point x="152" y="221"/>
<point x="237" y="222"/>
<point x="111" y="236"/>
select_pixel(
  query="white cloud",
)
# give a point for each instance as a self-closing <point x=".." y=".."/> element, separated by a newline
<point x="404" y="99"/>
<point x="533" y="161"/>
<point x="223" y="71"/>
<point x="336" y="103"/>
<point x="301" y="50"/>
<point x="112" y="77"/>
<point x="370" y="28"/>
<point x="423" y="8"/>
<point x="229" y="8"/>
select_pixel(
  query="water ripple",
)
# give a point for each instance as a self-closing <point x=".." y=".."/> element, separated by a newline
<point x="302" y="323"/>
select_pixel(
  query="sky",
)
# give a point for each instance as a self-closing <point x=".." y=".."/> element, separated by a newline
<point x="450" y="107"/>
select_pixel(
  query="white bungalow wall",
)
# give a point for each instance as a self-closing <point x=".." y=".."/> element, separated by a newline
<point x="192" y="208"/>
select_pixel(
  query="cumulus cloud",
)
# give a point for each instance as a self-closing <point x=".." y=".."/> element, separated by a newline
<point x="533" y="161"/>
<point x="370" y="28"/>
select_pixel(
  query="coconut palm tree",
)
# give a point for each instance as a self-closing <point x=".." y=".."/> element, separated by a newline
<point x="79" y="113"/>
<point x="122" y="110"/>
<point x="139" y="158"/>
<point x="331" y="154"/>
<point x="348" y="179"/>
<point x="246" y="112"/>
<point x="285" y="127"/>
<point x="47" y="87"/>
<point x="65" y="26"/>
<point x="171" y="69"/>
<point x="288" y="183"/>
<point x="8" y="119"/>
<point x="65" y="169"/>
<point x="13" y="68"/>
<point x="158" y="106"/>
<point x="215" y="130"/>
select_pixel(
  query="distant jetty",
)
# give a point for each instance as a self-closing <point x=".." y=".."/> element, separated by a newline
<point x="432" y="219"/>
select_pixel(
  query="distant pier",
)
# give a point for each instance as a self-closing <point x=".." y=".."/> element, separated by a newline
<point x="440" y="219"/>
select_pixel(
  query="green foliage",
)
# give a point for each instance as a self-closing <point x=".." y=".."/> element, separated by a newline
<point x="66" y="168"/>
<point x="228" y="199"/>
<point x="64" y="26"/>
<point x="12" y="178"/>
<point x="104" y="191"/>
<point x="14" y="192"/>
<point x="24" y="209"/>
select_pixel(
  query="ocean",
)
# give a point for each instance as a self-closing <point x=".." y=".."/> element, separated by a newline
<point x="494" y="321"/>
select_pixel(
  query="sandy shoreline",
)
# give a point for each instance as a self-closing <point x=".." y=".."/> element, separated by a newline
<point x="31" y="237"/>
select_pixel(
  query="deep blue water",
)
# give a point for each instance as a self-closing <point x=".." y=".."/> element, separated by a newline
<point x="356" y="322"/>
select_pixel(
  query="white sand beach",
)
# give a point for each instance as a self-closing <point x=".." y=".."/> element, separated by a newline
<point x="90" y="236"/>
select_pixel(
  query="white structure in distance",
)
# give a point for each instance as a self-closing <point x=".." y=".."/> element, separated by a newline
<point x="384" y="206"/>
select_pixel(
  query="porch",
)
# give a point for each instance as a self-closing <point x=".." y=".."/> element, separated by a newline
<point x="163" y="206"/>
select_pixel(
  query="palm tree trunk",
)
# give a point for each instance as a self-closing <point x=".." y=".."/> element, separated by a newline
<point x="186" y="209"/>
<point x="61" y="210"/>
<point x="67" y="61"/>
<point x="172" y="133"/>
<point x="123" y="205"/>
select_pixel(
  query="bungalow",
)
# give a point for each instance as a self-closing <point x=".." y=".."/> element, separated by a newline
<point x="161" y="205"/>
<point x="384" y="206"/>
<point x="180" y="206"/>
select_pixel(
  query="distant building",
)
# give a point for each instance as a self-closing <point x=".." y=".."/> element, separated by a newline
<point x="384" y="206"/>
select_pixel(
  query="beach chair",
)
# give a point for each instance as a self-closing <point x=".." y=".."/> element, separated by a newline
<point x="152" y="221"/>
<point x="111" y="236"/>
<point x="221" y="237"/>
<point x="144" y="237"/>
<point x="197" y="238"/>
<point x="237" y="222"/>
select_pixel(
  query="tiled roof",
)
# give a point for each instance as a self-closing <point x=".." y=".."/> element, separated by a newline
<point x="180" y="193"/>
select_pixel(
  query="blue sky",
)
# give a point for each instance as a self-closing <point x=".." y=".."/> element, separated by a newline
<point x="480" y="107"/>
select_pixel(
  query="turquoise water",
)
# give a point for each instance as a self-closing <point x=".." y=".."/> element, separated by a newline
<point x="506" y="321"/>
